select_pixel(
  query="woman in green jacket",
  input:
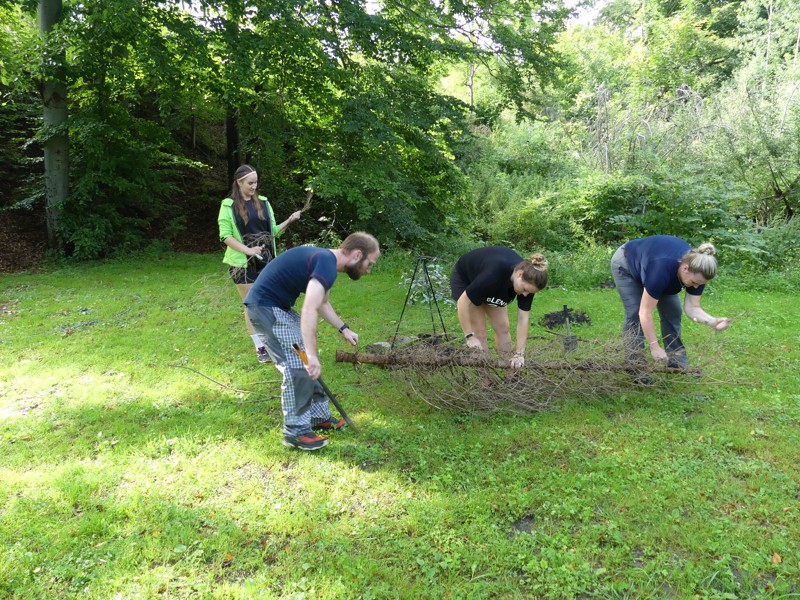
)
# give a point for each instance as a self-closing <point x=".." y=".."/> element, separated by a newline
<point x="247" y="227"/>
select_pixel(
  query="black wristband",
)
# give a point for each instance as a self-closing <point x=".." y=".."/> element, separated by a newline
<point x="469" y="335"/>
<point x="343" y="327"/>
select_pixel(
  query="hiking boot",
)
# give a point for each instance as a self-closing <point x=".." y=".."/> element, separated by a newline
<point x="262" y="354"/>
<point x="329" y="425"/>
<point x="638" y="377"/>
<point x="305" y="441"/>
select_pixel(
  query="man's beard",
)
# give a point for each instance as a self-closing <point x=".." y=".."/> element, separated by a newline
<point x="353" y="271"/>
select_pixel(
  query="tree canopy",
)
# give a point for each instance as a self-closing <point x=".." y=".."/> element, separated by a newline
<point x="416" y="120"/>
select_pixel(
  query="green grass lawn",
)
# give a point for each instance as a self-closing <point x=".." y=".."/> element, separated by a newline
<point x="125" y="473"/>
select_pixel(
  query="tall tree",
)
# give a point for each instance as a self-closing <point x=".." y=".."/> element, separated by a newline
<point x="54" y="99"/>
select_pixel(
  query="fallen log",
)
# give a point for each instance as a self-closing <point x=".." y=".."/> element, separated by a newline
<point x="465" y="360"/>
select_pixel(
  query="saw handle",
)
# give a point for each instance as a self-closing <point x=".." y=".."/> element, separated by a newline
<point x="300" y="352"/>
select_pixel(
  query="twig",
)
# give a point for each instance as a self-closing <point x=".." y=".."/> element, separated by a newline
<point x="309" y="195"/>
<point x="212" y="379"/>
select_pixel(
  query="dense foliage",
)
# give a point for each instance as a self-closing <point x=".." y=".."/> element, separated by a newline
<point x="422" y="122"/>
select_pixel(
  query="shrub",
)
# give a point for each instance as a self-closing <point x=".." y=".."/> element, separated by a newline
<point x="625" y="206"/>
<point x="582" y="268"/>
<point x="123" y="172"/>
<point x="544" y="222"/>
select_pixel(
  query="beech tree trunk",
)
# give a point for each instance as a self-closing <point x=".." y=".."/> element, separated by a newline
<point x="54" y="101"/>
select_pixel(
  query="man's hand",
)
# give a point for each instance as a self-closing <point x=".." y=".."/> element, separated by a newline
<point x="351" y="336"/>
<point x="313" y="367"/>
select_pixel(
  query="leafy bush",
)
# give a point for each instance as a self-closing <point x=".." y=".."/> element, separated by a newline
<point x="584" y="268"/>
<point x="775" y="266"/>
<point x="544" y="222"/>
<point x="626" y="206"/>
<point x="123" y="171"/>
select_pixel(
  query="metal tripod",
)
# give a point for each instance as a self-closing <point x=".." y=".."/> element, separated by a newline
<point x="423" y="261"/>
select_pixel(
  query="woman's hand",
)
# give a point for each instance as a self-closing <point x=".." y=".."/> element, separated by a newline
<point x="657" y="352"/>
<point x="295" y="216"/>
<point x="474" y="342"/>
<point x="517" y="361"/>
<point x="254" y="251"/>
<point x="720" y="323"/>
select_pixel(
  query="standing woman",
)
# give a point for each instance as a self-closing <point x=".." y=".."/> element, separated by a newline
<point x="247" y="227"/>
<point x="483" y="282"/>
<point x="649" y="273"/>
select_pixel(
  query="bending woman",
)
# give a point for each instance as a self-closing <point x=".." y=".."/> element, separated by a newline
<point x="483" y="283"/>
<point x="649" y="273"/>
<point x="247" y="227"/>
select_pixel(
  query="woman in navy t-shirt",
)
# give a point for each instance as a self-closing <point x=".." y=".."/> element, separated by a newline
<point x="649" y="273"/>
<point x="483" y="282"/>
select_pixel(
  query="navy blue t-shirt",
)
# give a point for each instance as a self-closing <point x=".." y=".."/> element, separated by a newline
<point x="486" y="274"/>
<point x="285" y="278"/>
<point x="653" y="262"/>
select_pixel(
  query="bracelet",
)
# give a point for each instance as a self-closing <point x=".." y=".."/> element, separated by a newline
<point x="519" y="354"/>
<point x="343" y="327"/>
<point x="653" y="342"/>
<point x="469" y="335"/>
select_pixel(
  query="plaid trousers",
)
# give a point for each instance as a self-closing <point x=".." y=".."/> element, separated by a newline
<point x="303" y="400"/>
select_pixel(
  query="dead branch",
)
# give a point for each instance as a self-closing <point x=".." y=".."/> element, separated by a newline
<point x="484" y="361"/>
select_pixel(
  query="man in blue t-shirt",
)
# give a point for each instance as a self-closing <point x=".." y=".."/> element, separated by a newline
<point x="310" y="271"/>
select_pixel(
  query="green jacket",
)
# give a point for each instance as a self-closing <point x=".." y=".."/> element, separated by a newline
<point x="227" y="228"/>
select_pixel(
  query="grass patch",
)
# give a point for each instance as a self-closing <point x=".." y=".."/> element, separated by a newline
<point x="125" y="473"/>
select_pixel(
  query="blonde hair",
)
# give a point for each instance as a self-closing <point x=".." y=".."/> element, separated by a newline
<point x="534" y="270"/>
<point x="702" y="260"/>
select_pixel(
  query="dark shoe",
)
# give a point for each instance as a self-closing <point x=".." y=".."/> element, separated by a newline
<point x="677" y="360"/>
<point x="638" y="377"/>
<point x="329" y="425"/>
<point x="263" y="355"/>
<point x="305" y="442"/>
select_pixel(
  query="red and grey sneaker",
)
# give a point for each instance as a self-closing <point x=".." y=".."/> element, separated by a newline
<point x="305" y="441"/>
<point x="262" y="354"/>
<point x="329" y="425"/>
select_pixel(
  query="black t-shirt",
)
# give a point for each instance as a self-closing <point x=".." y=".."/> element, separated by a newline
<point x="487" y="275"/>
<point x="255" y="231"/>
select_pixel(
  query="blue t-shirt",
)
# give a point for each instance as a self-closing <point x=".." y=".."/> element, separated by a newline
<point x="653" y="262"/>
<point x="285" y="278"/>
<point x="486" y="274"/>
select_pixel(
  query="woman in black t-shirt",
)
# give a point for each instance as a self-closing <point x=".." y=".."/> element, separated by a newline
<point x="483" y="282"/>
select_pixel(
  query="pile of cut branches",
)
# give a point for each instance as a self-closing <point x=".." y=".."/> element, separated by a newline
<point x="450" y="375"/>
